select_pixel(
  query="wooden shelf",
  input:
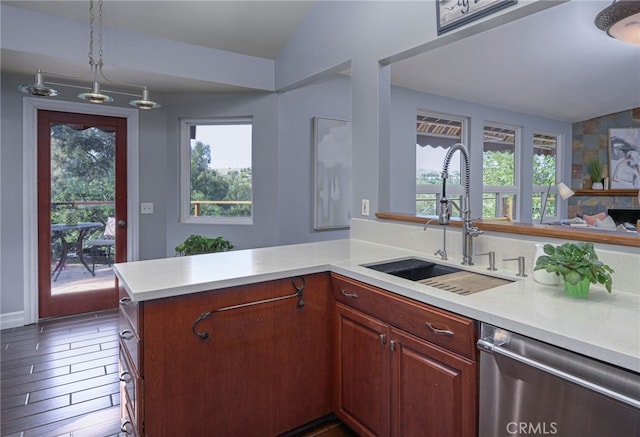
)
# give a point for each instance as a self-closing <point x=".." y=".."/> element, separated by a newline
<point x="625" y="192"/>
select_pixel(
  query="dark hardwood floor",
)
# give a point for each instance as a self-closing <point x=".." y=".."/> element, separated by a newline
<point x="60" y="377"/>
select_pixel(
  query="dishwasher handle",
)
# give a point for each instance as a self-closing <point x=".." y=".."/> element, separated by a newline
<point x="488" y="346"/>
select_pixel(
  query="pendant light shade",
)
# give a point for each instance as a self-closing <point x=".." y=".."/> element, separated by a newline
<point x="95" y="96"/>
<point x="621" y="20"/>
<point x="39" y="87"/>
<point x="144" y="102"/>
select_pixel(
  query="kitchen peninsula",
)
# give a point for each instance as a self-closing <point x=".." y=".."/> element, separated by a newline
<point x="178" y="302"/>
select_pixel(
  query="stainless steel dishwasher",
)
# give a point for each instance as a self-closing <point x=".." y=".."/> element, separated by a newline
<point x="530" y="388"/>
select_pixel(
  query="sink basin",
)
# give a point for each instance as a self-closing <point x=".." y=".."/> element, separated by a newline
<point x="413" y="269"/>
<point x="439" y="276"/>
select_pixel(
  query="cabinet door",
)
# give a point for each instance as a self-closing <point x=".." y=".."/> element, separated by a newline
<point x="362" y="364"/>
<point x="433" y="390"/>
<point x="264" y="369"/>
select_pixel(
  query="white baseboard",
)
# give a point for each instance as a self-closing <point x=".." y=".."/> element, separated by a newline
<point x="12" y="320"/>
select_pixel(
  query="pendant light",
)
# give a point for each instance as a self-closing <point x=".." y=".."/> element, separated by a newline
<point x="621" y="20"/>
<point x="94" y="94"/>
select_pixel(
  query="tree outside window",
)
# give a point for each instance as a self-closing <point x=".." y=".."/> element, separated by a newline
<point x="216" y="180"/>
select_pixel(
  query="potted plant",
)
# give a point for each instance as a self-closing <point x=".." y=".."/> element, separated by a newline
<point x="197" y="244"/>
<point x="578" y="266"/>
<point x="594" y="167"/>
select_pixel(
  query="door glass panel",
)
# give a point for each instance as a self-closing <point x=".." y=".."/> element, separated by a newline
<point x="82" y="208"/>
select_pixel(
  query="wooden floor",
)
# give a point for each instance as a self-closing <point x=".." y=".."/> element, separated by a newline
<point x="60" y="378"/>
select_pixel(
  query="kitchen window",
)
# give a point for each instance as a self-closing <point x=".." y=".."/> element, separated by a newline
<point x="499" y="175"/>
<point x="545" y="174"/>
<point x="435" y="134"/>
<point x="215" y="171"/>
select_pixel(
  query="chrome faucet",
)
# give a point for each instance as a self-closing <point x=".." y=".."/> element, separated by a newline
<point x="442" y="253"/>
<point x="468" y="229"/>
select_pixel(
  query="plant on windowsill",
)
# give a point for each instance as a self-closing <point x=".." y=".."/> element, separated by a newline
<point x="594" y="167"/>
<point x="198" y="244"/>
<point x="578" y="266"/>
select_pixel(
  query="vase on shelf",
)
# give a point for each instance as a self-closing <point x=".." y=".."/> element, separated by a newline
<point x="597" y="186"/>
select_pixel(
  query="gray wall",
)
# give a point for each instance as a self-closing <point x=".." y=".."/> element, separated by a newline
<point x="282" y="151"/>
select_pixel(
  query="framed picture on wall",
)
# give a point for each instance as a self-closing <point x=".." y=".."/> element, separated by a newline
<point x="624" y="158"/>
<point x="455" y="13"/>
<point x="332" y="173"/>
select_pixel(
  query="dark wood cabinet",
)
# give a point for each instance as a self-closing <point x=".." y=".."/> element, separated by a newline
<point x="394" y="382"/>
<point x="263" y="370"/>
<point x="362" y="369"/>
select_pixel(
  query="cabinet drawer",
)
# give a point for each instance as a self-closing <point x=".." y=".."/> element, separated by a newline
<point x="130" y="395"/>
<point x="129" y="340"/>
<point x="440" y="327"/>
<point x="130" y="310"/>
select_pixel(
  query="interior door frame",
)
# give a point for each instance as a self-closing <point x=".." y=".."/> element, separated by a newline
<point x="30" y="108"/>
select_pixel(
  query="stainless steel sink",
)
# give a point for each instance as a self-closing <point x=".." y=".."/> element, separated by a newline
<point x="439" y="276"/>
<point x="413" y="269"/>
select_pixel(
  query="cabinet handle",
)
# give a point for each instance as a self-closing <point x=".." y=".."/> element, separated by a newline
<point x="383" y="339"/>
<point x="347" y="294"/>
<point x="439" y="331"/>
<point x="125" y="301"/>
<point x="126" y="334"/>
<point x="127" y="427"/>
<point x="392" y="345"/>
<point x="125" y="377"/>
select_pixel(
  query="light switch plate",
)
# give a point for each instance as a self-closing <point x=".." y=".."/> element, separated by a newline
<point x="146" y="208"/>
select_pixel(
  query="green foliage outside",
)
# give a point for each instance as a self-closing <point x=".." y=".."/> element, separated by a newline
<point x="211" y="185"/>
<point x="498" y="167"/>
<point x="82" y="170"/>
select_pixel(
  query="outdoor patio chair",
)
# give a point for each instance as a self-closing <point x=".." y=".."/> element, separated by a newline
<point x="103" y="249"/>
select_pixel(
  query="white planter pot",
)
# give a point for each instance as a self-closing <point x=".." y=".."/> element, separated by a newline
<point x="542" y="276"/>
<point x="597" y="186"/>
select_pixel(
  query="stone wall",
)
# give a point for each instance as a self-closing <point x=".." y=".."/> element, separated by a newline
<point x="591" y="139"/>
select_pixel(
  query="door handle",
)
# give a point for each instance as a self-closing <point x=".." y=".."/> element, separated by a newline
<point x="122" y="223"/>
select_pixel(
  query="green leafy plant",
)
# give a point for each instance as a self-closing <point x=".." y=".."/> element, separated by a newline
<point x="594" y="166"/>
<point x="574" y="262"/>
<point x="197" y="244"/>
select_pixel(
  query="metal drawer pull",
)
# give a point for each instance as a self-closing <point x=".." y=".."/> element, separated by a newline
<point x="347" y="294"/>
<point x="127" y="427"/>
<point x="126" y="334"/>
<point x="392" y="345"/>
<point x="125" y="377"/>
<point x="125" y="301"/>
<point x="444" y="331"/>
<point x="382" y="339"/>
<point x="298" y="285"/>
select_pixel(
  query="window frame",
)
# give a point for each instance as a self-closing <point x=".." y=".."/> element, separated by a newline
<point x="454" y="192"/>
<point x="542" y="189"/>
<point x="502" y="190"/>
<point x="185" y="216"/>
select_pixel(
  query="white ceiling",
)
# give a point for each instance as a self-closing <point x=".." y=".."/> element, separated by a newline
<point x="555" y="63"/>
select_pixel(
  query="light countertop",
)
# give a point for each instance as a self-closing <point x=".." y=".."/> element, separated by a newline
<point x="604" y="326"/>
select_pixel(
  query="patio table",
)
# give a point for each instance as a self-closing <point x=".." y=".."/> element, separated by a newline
<point x="61" y="231"/>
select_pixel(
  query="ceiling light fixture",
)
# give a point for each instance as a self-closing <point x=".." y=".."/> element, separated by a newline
<point x="621" y="20"/>
<point x="94" y="94"/>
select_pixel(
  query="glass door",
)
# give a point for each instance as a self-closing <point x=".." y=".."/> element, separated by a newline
<point x="81" y="211"/>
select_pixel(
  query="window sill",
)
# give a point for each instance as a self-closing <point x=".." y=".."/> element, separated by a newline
<point x="549" y="231"/>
